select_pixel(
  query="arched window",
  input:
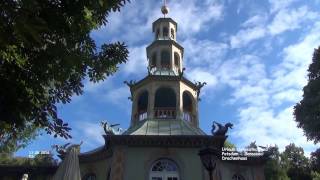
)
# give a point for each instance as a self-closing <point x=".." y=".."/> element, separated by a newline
<point x="165" y="103"/>
<point x="237" y="177"/>
<point x="90" y="176"/>
<point x="187" y="106"/>
<point x="165" y="59"/>
<point x="153" y="60"/>
<point x="172" y="33"/>
<point x="164" y="169"/>
<point x="165" y="31"/>
<point x="176" y="59"/>
<point x="142" y="106"/>
<point x="157" y="33"/>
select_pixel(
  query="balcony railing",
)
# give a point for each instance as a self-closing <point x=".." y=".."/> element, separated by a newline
<point x="163" y="71"/>
<point x="165" y="113"/>
<point x="187" y="116"/>
<point x="141" y="115"/>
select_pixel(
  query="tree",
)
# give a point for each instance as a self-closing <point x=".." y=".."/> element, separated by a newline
<point x="307" y="111"/>
<point x="38" y="160"/>
<point x="45" y="54"/>
<point x="297" y="163"/>
<point x="11" y="143"/>
<point x="274" y="168"/>
<point x="315" y="160"/>
<point x="315" y="175"/>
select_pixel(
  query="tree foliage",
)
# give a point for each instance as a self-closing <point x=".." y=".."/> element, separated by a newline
<point x="291" y="164"/>
<point x="307" y="111"/>
<point x="11" y="142"/>
<point x="315" y="175"/>
<point x="38" y="160"/>
<point x="45" y="53"/>
<point x="298" y="166"/>
<point x="274" y="168"/>
<point x="315" y="160"/>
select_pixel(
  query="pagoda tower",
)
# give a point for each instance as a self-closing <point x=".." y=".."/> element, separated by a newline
<point x="164" y="141"/>
<point x="164" y="98"/>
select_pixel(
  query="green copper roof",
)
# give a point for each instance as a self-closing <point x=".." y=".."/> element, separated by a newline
<point x="163" y="127"/>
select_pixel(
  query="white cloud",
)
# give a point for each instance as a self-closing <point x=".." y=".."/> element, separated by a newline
<point x="268" y="109"/>
<point x="203" y="53"/>
<point x="90" y="133"/>
<point x="118" y="96"/>
<point x="135" y="19"/>
<point x="247" y="68"/>
<point x="137" y="63"/>
<point x="258" y="27"/>
<point x="280" y="4"/>
<point x="292" y="72"/>
<point x="244" y="37"/>
<point x="202" y="76"/>
<point x="287" y="19"/>
<point x="192" y="18"/>
<point x="256" y="20"/>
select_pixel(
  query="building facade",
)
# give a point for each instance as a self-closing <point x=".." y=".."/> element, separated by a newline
<point x="164" y="138"/>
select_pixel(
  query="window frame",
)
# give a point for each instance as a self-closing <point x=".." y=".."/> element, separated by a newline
<point x="164" y="174"/>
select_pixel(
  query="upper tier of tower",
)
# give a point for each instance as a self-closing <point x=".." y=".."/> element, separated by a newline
<point x="165" y="55"/>
<point x="164" y="102"/>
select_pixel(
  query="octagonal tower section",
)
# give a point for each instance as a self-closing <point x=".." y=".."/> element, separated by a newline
<point x="164" y="54"/>
<point x="164" y="98"/>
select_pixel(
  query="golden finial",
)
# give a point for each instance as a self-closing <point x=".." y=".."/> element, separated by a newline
<point x="164" y="8"/>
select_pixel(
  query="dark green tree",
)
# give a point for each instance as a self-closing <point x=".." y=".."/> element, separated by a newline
<point x="307" y="111"/>
<point x="298" y="166"/>
<point x="38" y="160"/>
<point x="45" y="54"/>
<point x="315" y="160"/>
<point x="12" y="142"/>
<point x="275" y="169"/>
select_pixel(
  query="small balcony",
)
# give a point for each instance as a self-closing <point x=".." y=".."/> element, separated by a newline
<point x="163" y="71"/>
<point x="165" y="113"/>
<point x="187" y="116"/>
<point x="141" y="115"/>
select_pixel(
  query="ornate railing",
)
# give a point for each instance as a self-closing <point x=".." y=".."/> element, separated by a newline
<point x="187" y="116"/>
<point x="141" y="115"/>
<point x="162" y="71"/>
<point x="165" y="113"/>
<point x="176" y="69"/>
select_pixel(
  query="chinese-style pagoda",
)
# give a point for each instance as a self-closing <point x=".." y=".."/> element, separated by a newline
<point x="164" y="138"/>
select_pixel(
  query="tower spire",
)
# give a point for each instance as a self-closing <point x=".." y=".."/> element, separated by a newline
<point x="164" y="8"/>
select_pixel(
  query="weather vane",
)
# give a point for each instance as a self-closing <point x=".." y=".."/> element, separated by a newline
<point x="164" y="8"/>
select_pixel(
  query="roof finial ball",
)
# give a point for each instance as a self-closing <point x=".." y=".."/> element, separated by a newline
<point x="164" y="8"/>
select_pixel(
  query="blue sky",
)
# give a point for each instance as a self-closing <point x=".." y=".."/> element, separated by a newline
<point x="253" y="55"/>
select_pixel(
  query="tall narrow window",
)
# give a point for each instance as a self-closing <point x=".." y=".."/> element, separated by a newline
<point x="172" y="33"/>
<point x="142" y="106"/>
<point x="176" y="59"/>
<point x="153" y="60"/>
<point x="187" y="106"/>
<point x="157" y="33"/>
<point x="165" y="32"/>
<point x="165" y="59"/>
<point x="164" y="169"/>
